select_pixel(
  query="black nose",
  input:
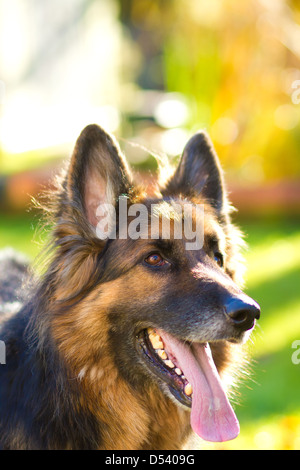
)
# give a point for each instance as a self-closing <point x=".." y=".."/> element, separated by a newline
<point x="242" y="312"/>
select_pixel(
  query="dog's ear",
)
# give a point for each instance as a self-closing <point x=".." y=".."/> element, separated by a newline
<point x="98" y="173"/>
<point x="199" y="172"/>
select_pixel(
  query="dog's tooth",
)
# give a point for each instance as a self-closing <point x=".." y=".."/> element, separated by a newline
<point x="169" y="364"/>
<point x="162" y="354"/>
<point x="156" y="341"/>
<point x="178" y="371"/>
<point x="188" y="389"/>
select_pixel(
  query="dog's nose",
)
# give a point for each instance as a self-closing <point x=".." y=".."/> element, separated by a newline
<point x="242" y="312"/>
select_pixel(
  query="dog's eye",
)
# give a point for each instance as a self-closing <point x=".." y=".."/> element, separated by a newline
<point x="155" y="259"/>
<point x="218" y="257"/>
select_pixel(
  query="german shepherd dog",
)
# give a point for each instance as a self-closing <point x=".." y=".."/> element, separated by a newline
<point x="128" y="342"/>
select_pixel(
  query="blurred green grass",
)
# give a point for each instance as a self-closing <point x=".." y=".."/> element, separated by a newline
<point x="269" y="403"/>
<point x="21" y="233"/>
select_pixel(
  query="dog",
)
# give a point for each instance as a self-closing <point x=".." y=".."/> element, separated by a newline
<point x="128" y="342"/>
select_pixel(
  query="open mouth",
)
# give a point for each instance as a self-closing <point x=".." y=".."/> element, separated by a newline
<point x="192" y="378"/>
<point x="164" y="365"/>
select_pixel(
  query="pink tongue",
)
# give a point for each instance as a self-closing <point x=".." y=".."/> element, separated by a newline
<point x="212" y="416"/>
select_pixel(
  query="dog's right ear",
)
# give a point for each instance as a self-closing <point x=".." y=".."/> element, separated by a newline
<point x="199" y="172"/>
<point x="98" y="173"/>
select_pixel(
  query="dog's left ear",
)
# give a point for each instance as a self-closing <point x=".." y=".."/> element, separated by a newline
<point x="199" y="172"/>
<point x="98" y="173"/>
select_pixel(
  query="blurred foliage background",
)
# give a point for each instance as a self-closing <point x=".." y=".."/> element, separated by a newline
<point x="153" y="72"/>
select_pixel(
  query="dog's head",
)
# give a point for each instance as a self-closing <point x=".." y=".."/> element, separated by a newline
<point x="163" y="271"/>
